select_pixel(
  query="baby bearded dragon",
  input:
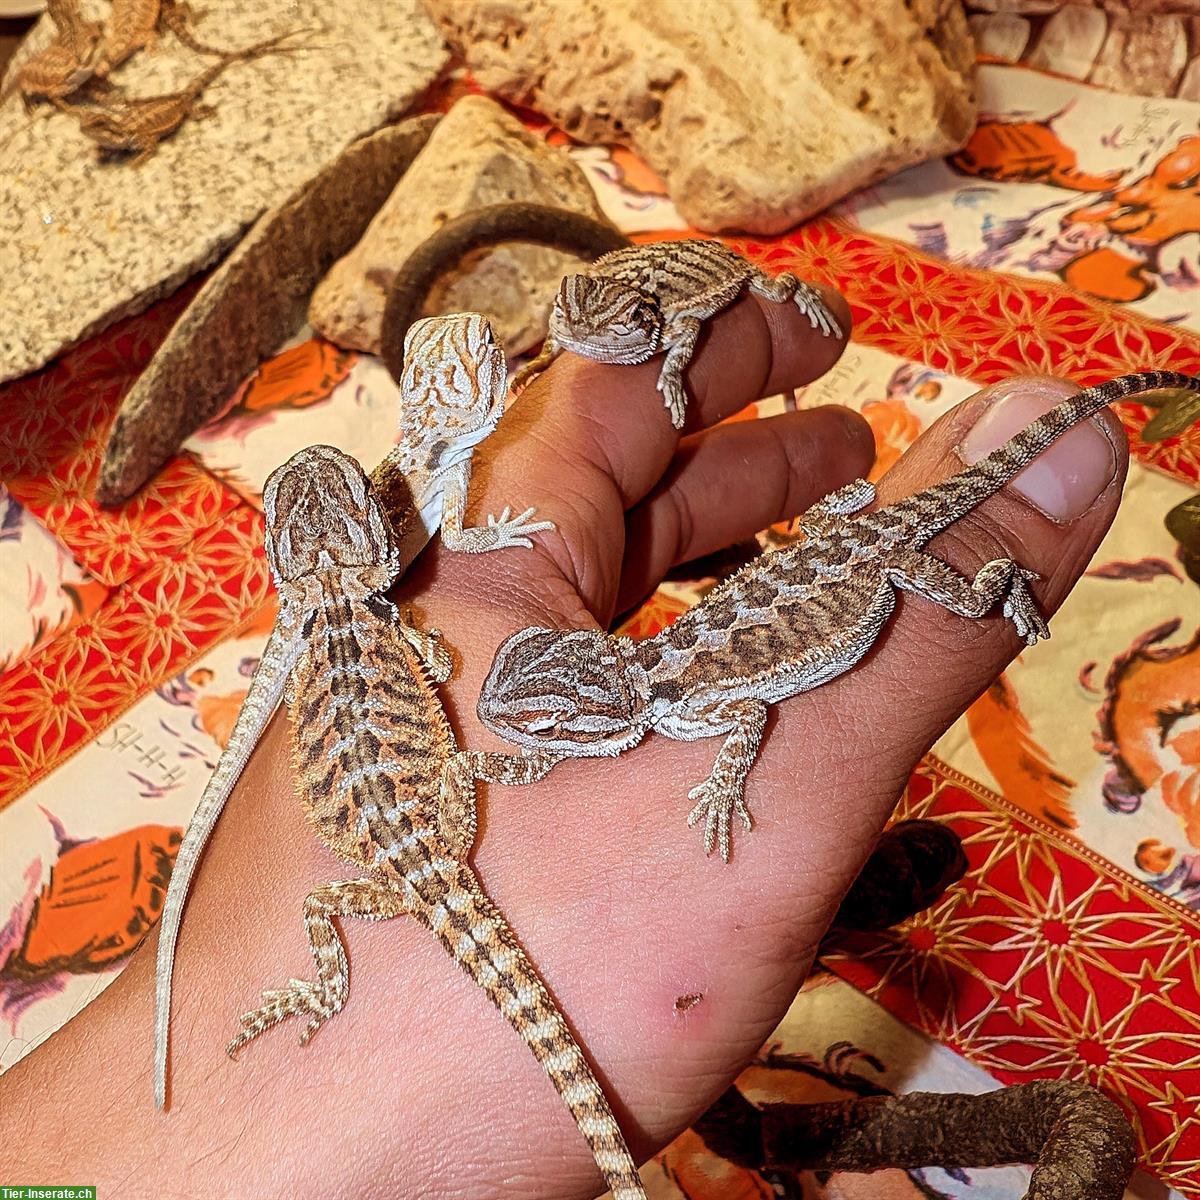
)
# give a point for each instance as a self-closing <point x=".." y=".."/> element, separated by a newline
<point x="137" y="126"/>
<point x="452" y="386"/>
<point x="630" y="304"/>
<point x="789" y="621"/>
<point x="386" y="786"/>
<point x="74" y="31"/>
<point x="452" y="397"/>
<point x="132" y="24"/>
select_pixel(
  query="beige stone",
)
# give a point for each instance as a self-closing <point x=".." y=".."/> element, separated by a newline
<point x="1118" y="7"/>
<point x="756" y="113"/>
<point x="1189" y="82"/>
<point x="1144" y="7"/>
<point x="1070" y="41"/>
<point x="479" y="155"/>
<point x="1142" y="54"/>
<point x="254" y="301"/>
<point x="1032" y="7"/>
<point x="1000" y="35"/>
<point x="83" y="242"/>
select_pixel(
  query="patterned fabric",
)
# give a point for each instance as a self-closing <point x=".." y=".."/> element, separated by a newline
<point x="1061" y="240"/>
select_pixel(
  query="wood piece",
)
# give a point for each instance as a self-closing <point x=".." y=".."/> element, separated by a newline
<point x="458" y="237"/>
<point x="252" y="303"/>
<point x="1081" y="1142"/>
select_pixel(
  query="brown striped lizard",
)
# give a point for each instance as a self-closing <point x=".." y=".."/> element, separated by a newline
<point x="133" y="24"/>
<point x="65" y="64"/>
<point x="381" y="776"/>
<point x="634" y="303"/>
<point x="385" y="785"/>
<point x="138" y="125"/>
<point x="790" y="620"/>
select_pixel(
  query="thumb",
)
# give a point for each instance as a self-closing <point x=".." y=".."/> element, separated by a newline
<point x="931" y="663"/>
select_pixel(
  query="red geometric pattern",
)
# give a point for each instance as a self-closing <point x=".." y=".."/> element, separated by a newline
<point x="983" y="326"/>
<point x="53" y="427"/>
<point x="1047" y="962"/>
<point x="63" y="696"/>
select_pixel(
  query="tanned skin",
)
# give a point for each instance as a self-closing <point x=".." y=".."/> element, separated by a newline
<point x="597" y="845"/>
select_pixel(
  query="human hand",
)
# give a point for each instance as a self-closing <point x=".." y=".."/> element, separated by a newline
<point x="419" y="1087"/>
<point x="627" y="505"/>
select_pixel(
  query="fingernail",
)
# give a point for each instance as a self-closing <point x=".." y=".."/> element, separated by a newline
<point x="1064" y="481"/>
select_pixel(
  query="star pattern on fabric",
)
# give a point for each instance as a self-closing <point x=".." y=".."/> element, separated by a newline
<point x="1049" y="963"/>
<point x="985" y="326"/>
<point x="142" y="634"/>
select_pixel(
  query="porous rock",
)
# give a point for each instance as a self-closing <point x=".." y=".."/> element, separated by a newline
<point x="756" y="113"/>
<point x="1189" y="82"/>
<point x="1019" y="6"/>
<point x="1142" y="54"/>
<point x="1070" y="41"/>
<point x="84" y="241"/>
<point x="1000" y="35"/>
<point x="479" y="155"/>
<point x="250" y="304"/>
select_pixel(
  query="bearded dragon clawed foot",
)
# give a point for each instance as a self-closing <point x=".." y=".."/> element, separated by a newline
<point x="787" y="622"/>
<point x="632" y="304"/>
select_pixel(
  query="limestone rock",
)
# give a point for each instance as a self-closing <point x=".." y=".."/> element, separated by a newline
<point x="1070" y="41"/>
<point x="478" y="155"/>
<point x="756" y="113"/>
<point x="1019" y="6"/>
<point x="1143" y="55"/>
<point x="1147" y="7"/>
<point x="1000" y="35"/>
<point x="1189" y="83"/>
<point x="254" y="301"/>
<point x="83" y="242"/>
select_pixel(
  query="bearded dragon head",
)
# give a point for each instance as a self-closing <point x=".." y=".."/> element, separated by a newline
<point x="109" y="132"/>
<point x="323" y="518"/>
<point x="606" y="320"/>
<point x="569" y="692"/>
<point x="452" y="389"/>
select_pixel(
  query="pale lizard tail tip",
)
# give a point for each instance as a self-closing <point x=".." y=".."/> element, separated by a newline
<point x="1065" y="479"/>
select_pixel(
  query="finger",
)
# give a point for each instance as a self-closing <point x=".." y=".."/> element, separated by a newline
<point x="726" y="484"/>
<point x="930" y="663"/>
<point x="586" y="441"/>
<point x="856" y="739"/>
<point x="753" y="348"/>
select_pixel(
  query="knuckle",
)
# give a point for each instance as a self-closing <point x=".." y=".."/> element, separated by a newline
<point x="978" y="538"/>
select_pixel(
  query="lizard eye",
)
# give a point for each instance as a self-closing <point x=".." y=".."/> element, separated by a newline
<point x="542" y="724"/>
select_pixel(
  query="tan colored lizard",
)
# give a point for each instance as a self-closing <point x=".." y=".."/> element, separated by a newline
<point x="452" y="397"/>
<point x="65" y="65"/>
<point x="137" y="126"/>
<point x="631" y="304"/>
<point x="386" y="787"/>
<point x="789" y="621"/>
<point x="133" y="24"/>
